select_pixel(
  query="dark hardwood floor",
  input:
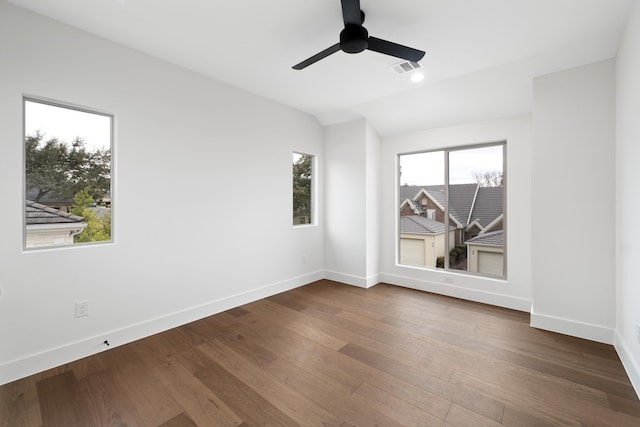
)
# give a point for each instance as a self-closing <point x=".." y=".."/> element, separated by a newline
<point x="333" y="355"/>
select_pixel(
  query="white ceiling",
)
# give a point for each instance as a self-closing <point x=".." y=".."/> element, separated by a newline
<point x="481" y="54"/>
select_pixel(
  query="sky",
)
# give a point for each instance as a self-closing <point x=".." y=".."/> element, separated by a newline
<point x="428" y="168"/>
<point x="67" y="124"/>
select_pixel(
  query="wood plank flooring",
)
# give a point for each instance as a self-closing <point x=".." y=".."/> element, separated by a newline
<point x="328" y="354"/>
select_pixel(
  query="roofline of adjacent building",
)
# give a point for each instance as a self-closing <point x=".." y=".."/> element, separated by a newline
<point x="473" y="204"/>
<point x="493" y="223"/>
<point x="426" y="193"/>
<point x="56" y="226"/>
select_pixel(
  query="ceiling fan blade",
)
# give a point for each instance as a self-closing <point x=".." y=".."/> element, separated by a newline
<point x="351" y="12"/>
<point x="317" y="57"/>
<point x="395" y="49"/>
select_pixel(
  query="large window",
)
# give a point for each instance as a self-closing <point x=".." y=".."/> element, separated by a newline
<point x="302" y="189"/>
<point x="452" y="209"/>
<point x="67" y="180"/>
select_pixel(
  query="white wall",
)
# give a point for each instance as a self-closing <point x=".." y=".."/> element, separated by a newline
<point x="207" y="161"/>
<point x="345" y="186"/>
<point x="352" y="177"/>
<point x="628" y="198"/>
<point x="372" y="203"/>
<point x="573" y="196"/>
<point x="515" y="292"/>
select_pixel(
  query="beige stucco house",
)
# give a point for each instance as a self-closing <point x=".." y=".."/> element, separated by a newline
<point x="485" y="253"/>
<point x="422" y="240"/>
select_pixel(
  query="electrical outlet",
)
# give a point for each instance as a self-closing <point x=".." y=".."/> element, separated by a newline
<point x="82" y="308"/>
<point x="447" y="279"/>
<point x="304" y="259"/>
<point x="638" y="333"/>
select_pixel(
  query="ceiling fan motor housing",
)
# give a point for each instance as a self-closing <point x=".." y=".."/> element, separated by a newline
<point x="354" y="38"/>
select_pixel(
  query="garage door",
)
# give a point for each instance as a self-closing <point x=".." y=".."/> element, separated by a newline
<point x="490" y="263"/>
<point x="412" y="252"/>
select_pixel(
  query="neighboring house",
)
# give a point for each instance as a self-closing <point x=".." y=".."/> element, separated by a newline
<point x="64" y="205"/>
<point x="474" y="211"/>
<point x="422" y="240"/>
<point x="51" y="201"/>
<point x="105" y="201"/>
<point x="487" y="213"/>
<point x="485" y="253"/>
<point x="46" y="226"/>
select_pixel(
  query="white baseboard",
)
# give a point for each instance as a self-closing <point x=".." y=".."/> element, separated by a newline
<point x="572" y="327"/>
<point x="32" y="364"/>
<point x="348" y="279"/>
<point x="373" y="280"/>
<point x="500" y="300"/>
<point x="29" y="365"/>
<point x="630" y="365"/>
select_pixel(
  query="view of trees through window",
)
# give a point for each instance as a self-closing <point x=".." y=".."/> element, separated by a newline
<point x="452" y="209"/>
<point x="67" y="156"/>
<point x="302" y="188"/>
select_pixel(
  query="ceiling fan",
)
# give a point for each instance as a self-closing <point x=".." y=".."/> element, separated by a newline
<point x="354" y="38"/>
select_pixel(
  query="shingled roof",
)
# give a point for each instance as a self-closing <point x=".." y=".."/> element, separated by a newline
<point x="416" y="224"/>
<point x="49" y="198"/>
<point x="494" y="238"/>
<point x="37" y="213"/>
<point x="410" y="191"/>
<point x="486" y="204"/>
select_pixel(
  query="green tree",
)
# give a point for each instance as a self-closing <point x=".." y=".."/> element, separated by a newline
<point x="302" y="186"/>
<point x="98" y="228"/>
<point x="61" y="170"/>
<point x="488" y="179"/>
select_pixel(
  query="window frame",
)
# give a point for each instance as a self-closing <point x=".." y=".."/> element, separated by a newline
<point x="446" y="151"/>
<point x="312" y="188"/>
<point x="112" y="143"/>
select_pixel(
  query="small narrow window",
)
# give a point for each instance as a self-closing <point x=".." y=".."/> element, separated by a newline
<point x="302" y="189"/>
<point x="67" y="180"/>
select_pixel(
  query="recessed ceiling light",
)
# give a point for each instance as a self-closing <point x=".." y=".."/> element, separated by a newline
<point x="417" y="77"/>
